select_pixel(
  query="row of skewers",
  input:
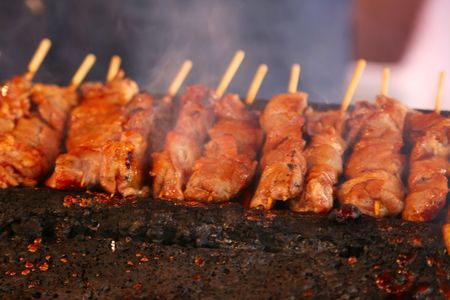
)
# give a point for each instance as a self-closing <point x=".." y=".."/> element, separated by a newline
<point x="206" y="148"/>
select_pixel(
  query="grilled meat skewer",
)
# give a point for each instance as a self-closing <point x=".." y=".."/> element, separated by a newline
<point x="324" y="152"/>
<point x="429" y="162"/>
<point x="164" y="111"/>
<point x="32" y="122"/>
<point x="283" y="165"/>
<point x="107" y="140"/>
<point x="173" y="165"/>
<point x="324" y="160"/>
<point x="15" y="93"/>
<point x="228" y="163"/>
<point x="29" y="148"/>
<point x="376" y="164"/>
<point x="429" y="166"/>
<point x="14" y="101"/>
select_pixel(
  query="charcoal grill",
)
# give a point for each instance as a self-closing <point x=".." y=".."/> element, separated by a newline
<point x="147" y="248"/>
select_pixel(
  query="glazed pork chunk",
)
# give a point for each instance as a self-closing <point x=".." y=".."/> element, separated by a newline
<point x="324" y="158"/>
<point x="283" y="164"/>
<point x="107" y="140"/>
<point x="375" y="166"/>
<point x="33" y="119"/>
<point x="229" y="161"/>
<point x="173" y="165"/>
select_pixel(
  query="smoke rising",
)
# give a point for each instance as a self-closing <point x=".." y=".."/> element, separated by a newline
<point x="277" y="33"/>
<point x="154" y="37"/>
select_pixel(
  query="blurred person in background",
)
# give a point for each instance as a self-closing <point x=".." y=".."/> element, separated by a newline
<point x="412" y="38"/>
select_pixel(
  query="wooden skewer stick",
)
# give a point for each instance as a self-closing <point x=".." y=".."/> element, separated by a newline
<point x="270" y="202"/>
<point x="229" y="73"/>
<point x="352" y="85"/>
<point x="295" y="77"/>
<point x="38" y="58"/>
<point x="383" y="91"/>
<point x="114" y="68"/>
<point x="376" y="208"/>
<point x="385" y="81"/>
<point x="82" y="71"/>
<point x="256" y="83"/>
<point x="179" y="78"/>
<point x="438" y="101"/>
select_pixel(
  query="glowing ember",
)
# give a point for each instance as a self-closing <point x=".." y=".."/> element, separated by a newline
<point x="137" y="286"/>
<point x="43" y="267"/>
<point x="25" y="272"/>
<point x="394" y="282"/>
<point x="35" y="245"/>
<point x="352" y="260"/>
<point x="199" y="261"/>
<point x="64" y="260"/>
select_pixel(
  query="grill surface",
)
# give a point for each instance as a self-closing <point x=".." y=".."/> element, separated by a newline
<point x="164" y="250"/>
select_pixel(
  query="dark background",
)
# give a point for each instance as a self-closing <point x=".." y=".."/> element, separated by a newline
<point x="153" y="37"/>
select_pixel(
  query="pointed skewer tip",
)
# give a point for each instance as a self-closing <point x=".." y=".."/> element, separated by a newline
<point x="438" y="100"/>
<point x="385" y="81"/>
<point x="83" y="70"/>
<point x="179" y="78"/>
<point x="38" y="58"/>
<point x="256" y="83"/>
<point x="351" y="88"/>
<point x="230" y="72"/>
<point x="294" y="78"/>
<point x="114" y="68"/>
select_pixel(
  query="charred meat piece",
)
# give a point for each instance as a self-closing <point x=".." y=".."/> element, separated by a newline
<point x="14" y="102"/>
<point x="283" y="165"/>
<point x="29" y="149"/>
<point x="172" y="167"/>
<point x="429" y="167"/>
<point x="107" y="140"/>
<point x="375" y="166"/>
<point x="228" y="164"/>
<point x="324" y="158"/>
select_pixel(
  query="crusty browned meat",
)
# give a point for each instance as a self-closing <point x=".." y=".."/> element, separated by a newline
<point x="283" y="165"/>
<point x="370" y="186"/>
<point x="417" y="124"/>
<point x="107" y="140"/>
<point x="164" y="120"/>
<point x="173" y="165"/>
<point x="29" y="149"/>
<point x="216" y="180"/>
<point x="429" y="167"/>
<point x="375" y="166"/>
<point x="228" y="163"/>
<point x="324" y="157"/>
<point x="14" y="102"/>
